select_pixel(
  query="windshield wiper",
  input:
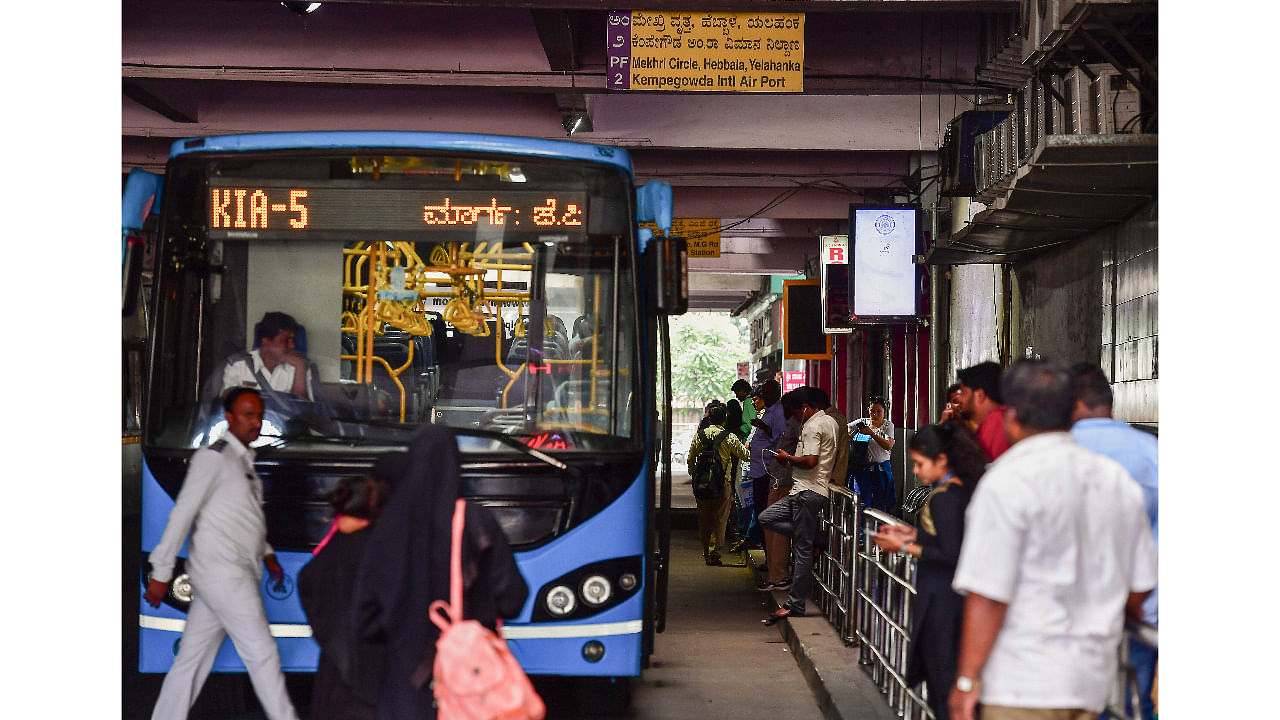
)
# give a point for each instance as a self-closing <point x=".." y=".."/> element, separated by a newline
<point x="514" y="443"/>
<point x="376" y="423"/>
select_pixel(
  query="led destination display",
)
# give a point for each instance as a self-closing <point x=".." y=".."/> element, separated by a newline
<point x="278" y="210"/>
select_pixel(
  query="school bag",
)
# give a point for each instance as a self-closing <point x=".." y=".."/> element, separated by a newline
<point x="707" y="469"/>
<point x="475" y="676"/>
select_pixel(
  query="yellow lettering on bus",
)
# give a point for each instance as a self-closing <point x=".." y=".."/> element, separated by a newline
<point x="299" y="222"/>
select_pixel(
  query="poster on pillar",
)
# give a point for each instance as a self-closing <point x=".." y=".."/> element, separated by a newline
<point x="701" y="235"/>
<point x="835" y="285"/>
<point x="705" y="51"/>
<point x="884" y="282"/>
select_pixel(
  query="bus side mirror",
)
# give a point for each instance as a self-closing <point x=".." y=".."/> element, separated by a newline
<point x="654" y="204"/>
<point x="141" y="197"/>
<point x="667" y="267"/>
<point x="134" y="252"/>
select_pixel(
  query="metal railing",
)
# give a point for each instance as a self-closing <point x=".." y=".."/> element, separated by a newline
<point x="833" y="571"/>
<point x="868" y="596"/>
<point x="1124" y="701"/>
<point x="886" y="595"/>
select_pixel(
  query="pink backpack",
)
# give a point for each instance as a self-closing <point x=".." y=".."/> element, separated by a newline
<point x="475" y="676"/>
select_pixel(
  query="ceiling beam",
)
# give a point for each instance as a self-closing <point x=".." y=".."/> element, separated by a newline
<point x="557" y="30"/>
<point x="533" y="81"/>
<point x="713" y="5"/>
<point x="585" y="82"/>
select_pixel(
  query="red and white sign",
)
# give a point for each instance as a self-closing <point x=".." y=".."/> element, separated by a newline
<point x="835" y="249"/>
<point x="744" y="371"/>
<point x="792" y="379"/>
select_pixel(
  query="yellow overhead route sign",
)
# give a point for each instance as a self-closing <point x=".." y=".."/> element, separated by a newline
<point x="710" y="52"/>
<point x="702" y="235"/>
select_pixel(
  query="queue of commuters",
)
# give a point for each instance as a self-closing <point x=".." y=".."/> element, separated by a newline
<point x="1028" y="569"/>
<point x="1035" y="543"/>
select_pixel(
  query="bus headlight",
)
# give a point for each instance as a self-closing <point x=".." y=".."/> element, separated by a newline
<point x="181" y="588"/>
<point x="596" y="590"/>
<point x="588" y="590"/>
<point x="561" y="601"/>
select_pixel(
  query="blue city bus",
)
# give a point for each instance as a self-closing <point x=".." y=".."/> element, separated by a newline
<point x="500" y="286"/>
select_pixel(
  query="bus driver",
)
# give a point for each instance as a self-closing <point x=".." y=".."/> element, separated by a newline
<point x="275" y="364"/>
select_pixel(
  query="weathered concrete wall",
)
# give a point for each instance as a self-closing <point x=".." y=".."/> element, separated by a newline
<point x="1057" y="307"/>
<point x="1135" y="332"/>
<point x="975" y="302"/>
<point x="1096" y="299"/>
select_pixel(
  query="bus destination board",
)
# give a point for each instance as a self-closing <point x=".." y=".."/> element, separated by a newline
<point x="274" y="210"/>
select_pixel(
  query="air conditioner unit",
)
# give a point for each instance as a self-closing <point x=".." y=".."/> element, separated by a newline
<point x="1079" y="92"/>
<point x="994" y="170"/>
<point x="980" y="182"/>
<point x="959" y="177"/>
<point x="1049" y="25"/>
<point x="1055" y="114"/>
<point x="1011" y="153"/>
<point x="1008" y="148"/>
<point x="1117" y="103"/>
<point x="1032" y="129"/>
<point x="1030" y="28"/>
<point x="1064" y="10"/>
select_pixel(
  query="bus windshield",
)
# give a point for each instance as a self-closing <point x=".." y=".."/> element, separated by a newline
<point x="366" y="293"/>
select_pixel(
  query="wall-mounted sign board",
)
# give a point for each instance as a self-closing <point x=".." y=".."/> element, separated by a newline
<point x="835" y="284"/>
<point x="705" y="51"/>
<point x="802" y="336"/>
<point x="884" y="240"/>
<point x="702" y="235"/>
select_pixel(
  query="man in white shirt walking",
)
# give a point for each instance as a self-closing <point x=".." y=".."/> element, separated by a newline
<point x="1057" y="550"/>
<point x="222" y="497"/>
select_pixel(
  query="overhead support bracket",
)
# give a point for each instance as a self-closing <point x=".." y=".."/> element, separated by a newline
<point x="136" y="92"/>
<point x="1048" y="87"/>
<point x="1077" y="62"/>
<point x="1123" y="42"/>
<point x="557" y="30"/>
<point x="1119" y="66"/>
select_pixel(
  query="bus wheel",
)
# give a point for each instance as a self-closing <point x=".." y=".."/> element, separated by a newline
<point x="603" y="696"/>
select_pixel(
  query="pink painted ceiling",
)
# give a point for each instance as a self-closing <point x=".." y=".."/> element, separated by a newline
<point x="882" y="80"/>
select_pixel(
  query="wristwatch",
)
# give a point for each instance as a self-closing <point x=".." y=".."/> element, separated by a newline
<point x="964" y="684"/>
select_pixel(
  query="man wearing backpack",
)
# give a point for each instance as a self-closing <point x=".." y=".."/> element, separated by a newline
<point x="710" y="463"/>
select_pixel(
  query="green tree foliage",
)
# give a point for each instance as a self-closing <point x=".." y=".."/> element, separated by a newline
<point x="705" y="351"/>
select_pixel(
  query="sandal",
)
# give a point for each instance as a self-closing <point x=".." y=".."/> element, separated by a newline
<point x="783" y="612"/>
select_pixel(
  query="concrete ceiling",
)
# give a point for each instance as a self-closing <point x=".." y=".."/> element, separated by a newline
<point x="881" y="81"/>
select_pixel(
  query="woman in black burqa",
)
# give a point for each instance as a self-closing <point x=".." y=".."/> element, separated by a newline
<point x="406" y="566"/>
<point x="349" y="672"/>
